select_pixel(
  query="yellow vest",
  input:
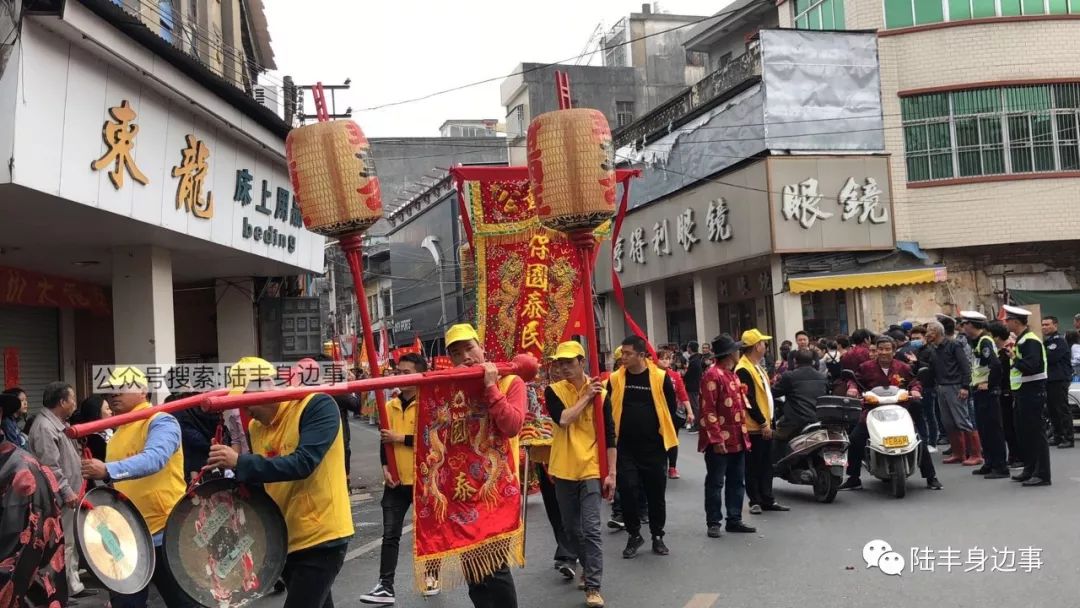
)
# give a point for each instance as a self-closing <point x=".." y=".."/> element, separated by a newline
<point x="573" y="448"/>
<point x="154" y="495"/>
<point x="761" y="394"/>
<point x="403" y="421"/>
<point x="656" y="384"/>
<point x="1016" y="379"/>
<point x="316" y="509"/>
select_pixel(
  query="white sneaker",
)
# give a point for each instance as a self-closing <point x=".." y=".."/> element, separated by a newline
<point x="932" y="449"/>
<point x="431" y="587"/>
<point x="381" y="594"/>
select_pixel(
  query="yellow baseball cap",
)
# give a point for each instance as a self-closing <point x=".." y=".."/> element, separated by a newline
<point x="248" y="370"/>
<point x="460" y="333"/>
<point x="569" y="350"/>
<point x="751" y="337"/>
<point x="126" y="377"/>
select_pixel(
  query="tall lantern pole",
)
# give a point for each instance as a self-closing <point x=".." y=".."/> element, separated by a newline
<point x="572" y="178"/>
<point x="334" y="180"/>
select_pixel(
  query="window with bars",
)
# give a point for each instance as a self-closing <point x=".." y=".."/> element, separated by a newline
<point x="819" y="14"/>
<point x="624" y="113"/>
<point x="996" y="131"/>
<point x="908" y="13"/>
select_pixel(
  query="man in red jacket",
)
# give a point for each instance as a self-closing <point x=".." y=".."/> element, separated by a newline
<point x="884" y="371"/>
<point x="724" y="440"/>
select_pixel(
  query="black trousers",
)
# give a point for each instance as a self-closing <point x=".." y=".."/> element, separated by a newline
<point x="637" y="473"/>
<point x="563" y="551"/>
<point x="673" y="453"/>
<point x="165" y="584"/>
<point x="860" y="437"/>
<point x="1057" y="408"/>
<point x="991" y="434"/>
<point x="759" y="472"/>
<point x="1029" y="400"/>
<point x="309" y="576"/>
<point x="1008" y="425"/>
<point x="395" y="505"/>
<point x="495" y="591"/>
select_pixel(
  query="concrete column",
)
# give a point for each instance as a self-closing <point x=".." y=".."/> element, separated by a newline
<point x="706" y="310"/>
<point x="787" y="306"/>
<point x="142" y="289"/>
<point x="68" y="371"/>
<point x="236" y="326"/>
<point x="655" y="313"/>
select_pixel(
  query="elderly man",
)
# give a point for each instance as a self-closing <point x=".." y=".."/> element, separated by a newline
<point x="145" y="461"/>
<point x="1027" y="378"/>
<point x="57" y="451"/>
<point x="724" y="440"/>
<point x="951" y="371"/>
<point x="298" y="454"/>
<point x="504" y="401"/>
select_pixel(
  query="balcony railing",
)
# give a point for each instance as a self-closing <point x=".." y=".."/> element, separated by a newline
<point x="732" y="78"/>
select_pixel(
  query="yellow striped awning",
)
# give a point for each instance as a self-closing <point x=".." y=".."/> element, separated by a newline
<point x="867" y="280"/>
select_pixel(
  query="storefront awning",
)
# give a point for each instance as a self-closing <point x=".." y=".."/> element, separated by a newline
<point x="867" y="280"/>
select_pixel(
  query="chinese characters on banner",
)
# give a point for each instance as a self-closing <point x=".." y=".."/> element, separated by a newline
<point x="717" y="230"/>
<point x="526" y="274"/>
<point x="33" y="289"/>
<point x="859" y="202"/>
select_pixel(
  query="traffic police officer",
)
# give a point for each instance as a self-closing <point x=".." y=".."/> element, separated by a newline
<point x="1028" y="382"/>
<point x="985" y="388"/>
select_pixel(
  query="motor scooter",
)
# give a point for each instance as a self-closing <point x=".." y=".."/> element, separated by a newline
<point x="817" y="455"/>
<point x="892" y="451"/>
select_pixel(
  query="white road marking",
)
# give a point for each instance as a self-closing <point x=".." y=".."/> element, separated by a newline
<point x="363" y="549"/>
<point x="701" y="600"/>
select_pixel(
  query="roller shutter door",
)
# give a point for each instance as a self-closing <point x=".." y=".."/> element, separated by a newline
<point x="35" y="333"/>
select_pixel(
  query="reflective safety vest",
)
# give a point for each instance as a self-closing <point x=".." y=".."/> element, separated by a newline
<point x="981" y="373"/>
<point x="1015" y="377"/>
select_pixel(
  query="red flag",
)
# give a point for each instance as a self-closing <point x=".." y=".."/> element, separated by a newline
<point x="418" y="345"/>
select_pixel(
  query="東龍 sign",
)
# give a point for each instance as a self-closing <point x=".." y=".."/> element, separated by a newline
<point x="280" y="223"/>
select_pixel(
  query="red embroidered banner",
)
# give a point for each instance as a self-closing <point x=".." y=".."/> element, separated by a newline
<point x="11" y="367"/>
<point x="467" y="495"/>
<point x="27" y="288"/>
<point x="526" y="275"/>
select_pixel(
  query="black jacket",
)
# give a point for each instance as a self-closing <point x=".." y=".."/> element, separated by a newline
<point x="1058" y="359"/>
<point x="694" y="372"/>
<point x="800" y="389"/>
<point x="951" y="365"/>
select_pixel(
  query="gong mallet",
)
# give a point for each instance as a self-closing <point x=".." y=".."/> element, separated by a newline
<point x="333" y="177"/>
<point x="572" y="178"/>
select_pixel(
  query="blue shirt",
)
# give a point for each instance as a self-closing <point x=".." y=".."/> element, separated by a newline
<point x="162" y="441"/>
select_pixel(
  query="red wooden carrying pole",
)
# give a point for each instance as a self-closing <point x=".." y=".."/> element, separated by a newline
<point x="525" y="366"/>
<point x="89" y="428"/>
<point x="585" y="243"/>
<point x="351" y="245"/>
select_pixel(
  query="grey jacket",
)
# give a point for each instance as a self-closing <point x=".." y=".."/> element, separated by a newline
<point x="54" y="449"/>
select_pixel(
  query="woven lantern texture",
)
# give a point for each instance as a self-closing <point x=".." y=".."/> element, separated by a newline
<point x="333" y="177"/>
<point x="572" y="169"/>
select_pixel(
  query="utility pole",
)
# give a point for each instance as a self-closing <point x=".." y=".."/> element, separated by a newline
<point x="325" y="109"/>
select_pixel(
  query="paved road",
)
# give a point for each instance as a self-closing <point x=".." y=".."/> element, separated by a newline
<point x="810" y="556"/>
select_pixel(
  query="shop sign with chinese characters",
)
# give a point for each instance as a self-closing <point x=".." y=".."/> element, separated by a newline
<point x="715" y="223"/>
<point x="830" y="203"/>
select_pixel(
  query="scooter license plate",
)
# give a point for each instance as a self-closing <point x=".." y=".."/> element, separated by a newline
<point x="835" y="459"/>
<point x="898" y="441"/>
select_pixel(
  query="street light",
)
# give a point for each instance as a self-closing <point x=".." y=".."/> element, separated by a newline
<point x="431" y="243"/>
